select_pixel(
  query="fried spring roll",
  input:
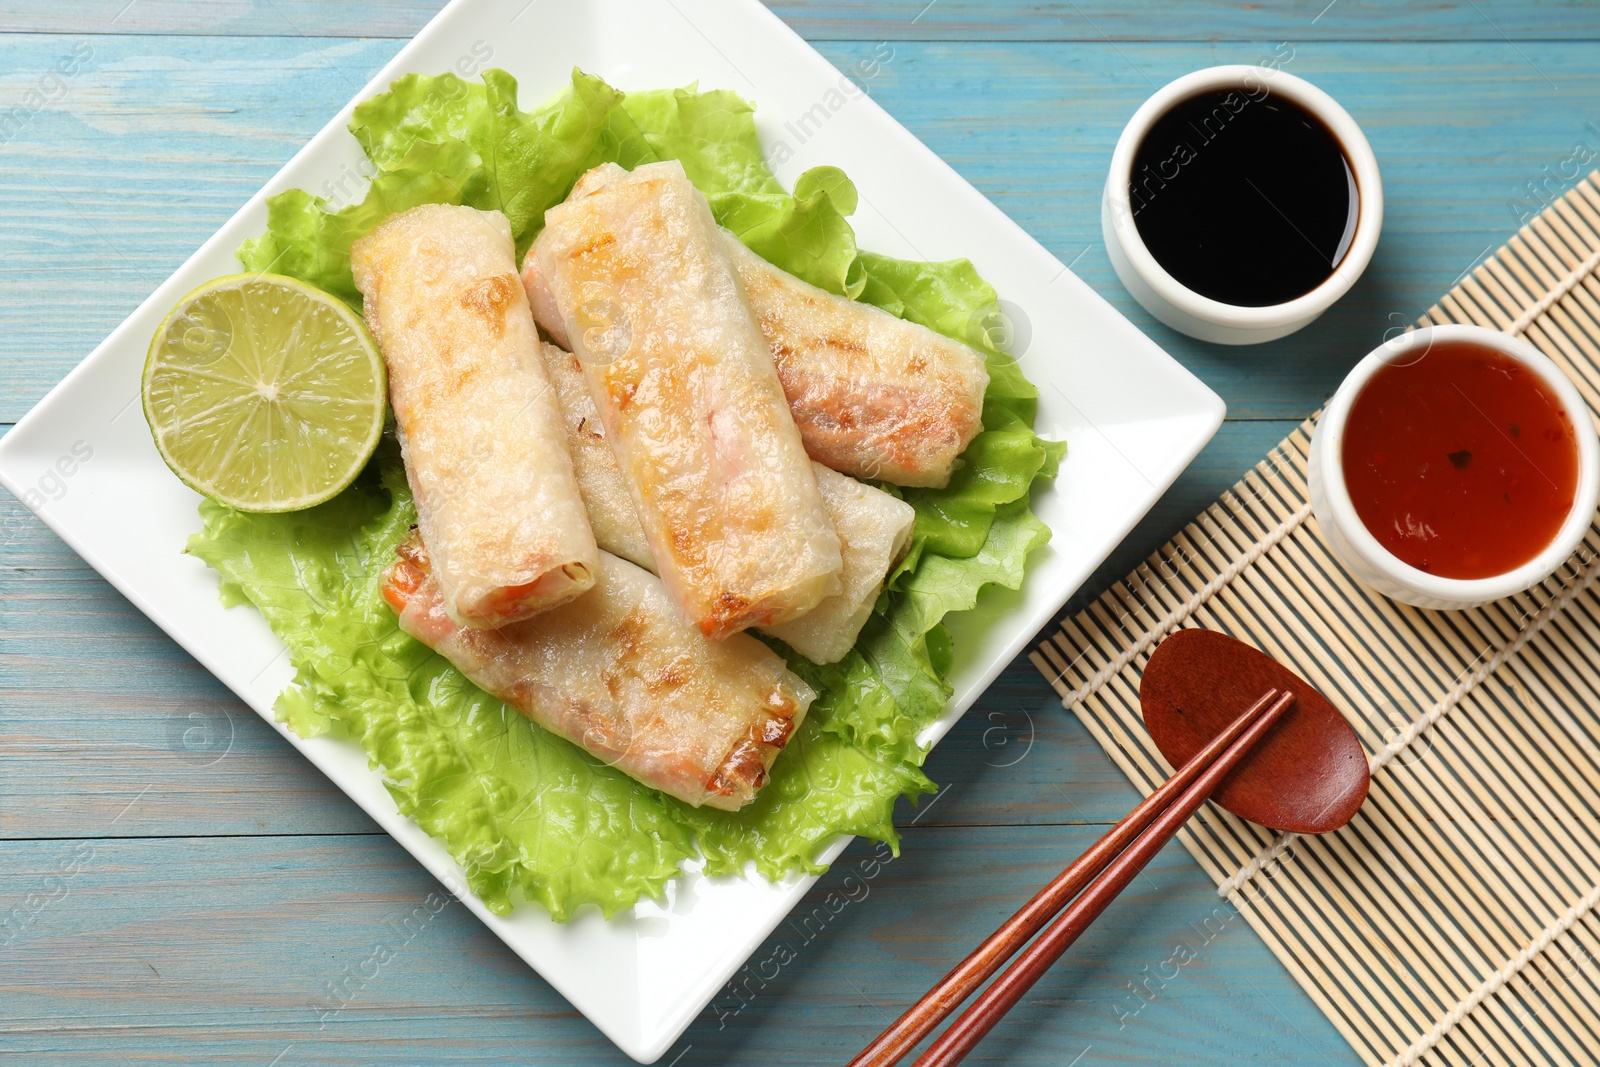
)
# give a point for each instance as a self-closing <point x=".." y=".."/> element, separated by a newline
<point x="873" y="396"/>
<point x="485" y="451"/>
<point x="685" y="386"/>
<point x="618" y="673"/>
<point x="600" y="482"/>
<point x="874" y="528"/>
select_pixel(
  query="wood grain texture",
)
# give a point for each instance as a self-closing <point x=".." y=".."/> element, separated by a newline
<point x="228" y="884"/>
<point x="159" y="140"/>
<point x="1215" y="20"/>
<point x="137" y="711"/>
<point x="149" y="149"/>
<point x="224" y="951"/>
<point x="1494" y="702"/>
<point x="895" y="20"/>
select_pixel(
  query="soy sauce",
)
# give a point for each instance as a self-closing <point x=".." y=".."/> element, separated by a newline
<point x="1244" y="197"/>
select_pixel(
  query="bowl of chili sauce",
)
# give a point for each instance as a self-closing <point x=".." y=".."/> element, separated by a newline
<point x="1455" y="465"/>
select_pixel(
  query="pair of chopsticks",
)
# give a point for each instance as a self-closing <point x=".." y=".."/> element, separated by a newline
<point x="1098" y="875"/>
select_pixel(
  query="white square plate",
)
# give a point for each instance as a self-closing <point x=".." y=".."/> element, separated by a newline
<point x="1134" y="419"/>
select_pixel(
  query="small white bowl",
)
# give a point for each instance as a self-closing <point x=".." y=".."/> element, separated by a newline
<point x="1200" y="316"/>
<point x="1361" y="552"/>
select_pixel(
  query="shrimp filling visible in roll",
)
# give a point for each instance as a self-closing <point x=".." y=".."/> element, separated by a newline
<point x="485" y="451"/>
<point x="619" y="673"/>
<point x="684" y="383"/>
<point x="873" y="396"/>
<point x="874" y="528"/>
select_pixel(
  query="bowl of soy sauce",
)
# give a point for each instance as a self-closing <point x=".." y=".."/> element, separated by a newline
<point x="1242" y="202"/>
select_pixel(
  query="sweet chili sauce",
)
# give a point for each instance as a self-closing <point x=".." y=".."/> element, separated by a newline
<point x="1461" y="461"/>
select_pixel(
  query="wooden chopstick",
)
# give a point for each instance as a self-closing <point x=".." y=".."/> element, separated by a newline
<point x="952" y="1046"/>
<point x="905" y="1032"/>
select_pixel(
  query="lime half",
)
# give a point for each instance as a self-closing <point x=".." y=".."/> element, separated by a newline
<point x="264" y="393"/>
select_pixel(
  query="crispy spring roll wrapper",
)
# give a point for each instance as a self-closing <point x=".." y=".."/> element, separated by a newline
<point x="686" y="389"/>
<point x="872" y="395"/>
<point x="600" y="482"/>
<point x="484" y="447"/>
<point x="874" y="528"/>
<point x="618" y="673"/>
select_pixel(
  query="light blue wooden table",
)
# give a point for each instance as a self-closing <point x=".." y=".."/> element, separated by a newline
<point x="182" y="887"/>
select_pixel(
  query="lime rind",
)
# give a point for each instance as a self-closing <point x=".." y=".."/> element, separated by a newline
<point x="264" y="393"/>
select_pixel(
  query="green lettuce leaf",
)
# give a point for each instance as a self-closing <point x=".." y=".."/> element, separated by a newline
<point x="714" y="136"/>
<point x="442" y="140"/>
<point x="309" y="240"/>
<point x="529" y="816"/>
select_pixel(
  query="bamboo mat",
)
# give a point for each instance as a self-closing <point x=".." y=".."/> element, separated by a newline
<point x="1454" y="920"/>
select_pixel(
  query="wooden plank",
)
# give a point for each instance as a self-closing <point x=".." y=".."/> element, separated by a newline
<point x="159" y="139"/>
<point x="1040" y="20"/>
<point x="399" y="19"/>
<point x="152" y="146"/>
<point x="1458" y="130"/>
<point x="137" y="713"/>
<point x="1205" y="20"/>
<point x="213" y="950"/>
<point x="1473" y="841"/>
<point x="239" y="951"/>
